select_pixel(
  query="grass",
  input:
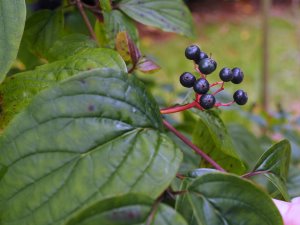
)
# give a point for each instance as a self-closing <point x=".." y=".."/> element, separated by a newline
<point x="232" y="44"/>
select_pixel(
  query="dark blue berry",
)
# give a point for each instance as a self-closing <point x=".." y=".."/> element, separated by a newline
<point x="192" y="52"/>
<point x="187" y="79"/>
<point x="207" y="101"/>
<point x="201" y="86"/>
<point x="207" y="65"/>
<point x="240" y="97"/>
<point x="226" y="74"/>
<point x="238" y="75"/>
<point x="202" y="55"/>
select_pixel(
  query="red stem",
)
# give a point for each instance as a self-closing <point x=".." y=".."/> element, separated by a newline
<point x="220" y="89"/>
<point x="154" y="210"/>
<point x="180" y="176"/>
<point x="197" y="97"/>
<point x="217" y="83"/>
<point x="86" y="20"/>
<point x="251" y="174"/>
<point x="224" y="104"/>
<point x="178" y="108"/>
<point x="197" y="69"/>
<point x="192" y="146"/>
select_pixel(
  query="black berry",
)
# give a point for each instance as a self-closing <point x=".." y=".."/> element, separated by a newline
<point x="207" y="65"/>
<point x="201" y="86"/>
<point x="187" y="79"/>
<point x="240" y="97"/>
<point x="202" y="55"/>
<point x="238" y="75"/>
<point x="226" y="74"/>
<point x="207" y="101"/>
<point x="192" y="52"/>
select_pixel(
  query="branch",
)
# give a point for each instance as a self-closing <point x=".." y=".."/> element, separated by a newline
<point x="192" y="146"/>
<point x="86" y="20"/>
<point x="178" y="108"/>
<point x="154" y="210"/>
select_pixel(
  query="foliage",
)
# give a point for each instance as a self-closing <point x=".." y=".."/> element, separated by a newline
<point x="83" y="140"/>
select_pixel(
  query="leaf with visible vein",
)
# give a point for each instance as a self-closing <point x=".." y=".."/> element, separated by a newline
<point x="131" y="209"/>
<point x="12" y="22"/>
<point x="116" y="21"/>
<point x="211" y="135"/>
<point x="92" y="137"/>
<point x="18" y="90"/>
<point x="219" y="198"/>
<point x="168" y="15"/>
<point x="274" y="164"/>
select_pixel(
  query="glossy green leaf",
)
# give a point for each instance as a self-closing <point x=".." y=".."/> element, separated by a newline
<point x="211" y="135"/>
<point x="128" y="210"/>
<point x="92" y="137"/>
<point x="199" y="172"/>
<point x="274" y="164"/>
<point x="114" y="22"/>
<point x="245" y="143"/>
<point x="69" y="45"/>
<point x="168" y="15"/>
<point x="42" y="29"/>
<point x="17" y="90"/>
<point x="12" y="21"/>
<point x="182" y="204"/>
<point x="219" y="198"/>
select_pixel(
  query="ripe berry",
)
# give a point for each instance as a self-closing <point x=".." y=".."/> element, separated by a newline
<point x="207" y="65"/>
<point x="201" y="86"/>
<point x="202" y="55"/>
<point x="240" y="97"/>
<point x="187" y="79"/>
<point x="238" y="75"/>
<point x="207" y="101"/>
<point x="226" y="74"/>
<point x="192" y="52"/>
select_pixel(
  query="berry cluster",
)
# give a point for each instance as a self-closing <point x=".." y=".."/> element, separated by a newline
<point x="205" y="65"/>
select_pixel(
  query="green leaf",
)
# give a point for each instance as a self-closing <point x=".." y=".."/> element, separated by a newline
<point x="219" y="198"/>
<point x="69" y="45"/>
<point x="92" y="137"/>
<point x="115" y="22"/>
<point x="190" y="159"/>
<point x="17" y="90"/>
<point x="42" y="29"/>
<point x="182" y="205"/>
<point x="105" y="5"/>
<point x="274" y="164"/>
<point x="12" y="21"/>
<point x="131" y="209"/>
<point x="245" y="143"/>
<point x="99" y="29"/>
<point x="168" y="15"/>
<point x="210" y="135"/>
